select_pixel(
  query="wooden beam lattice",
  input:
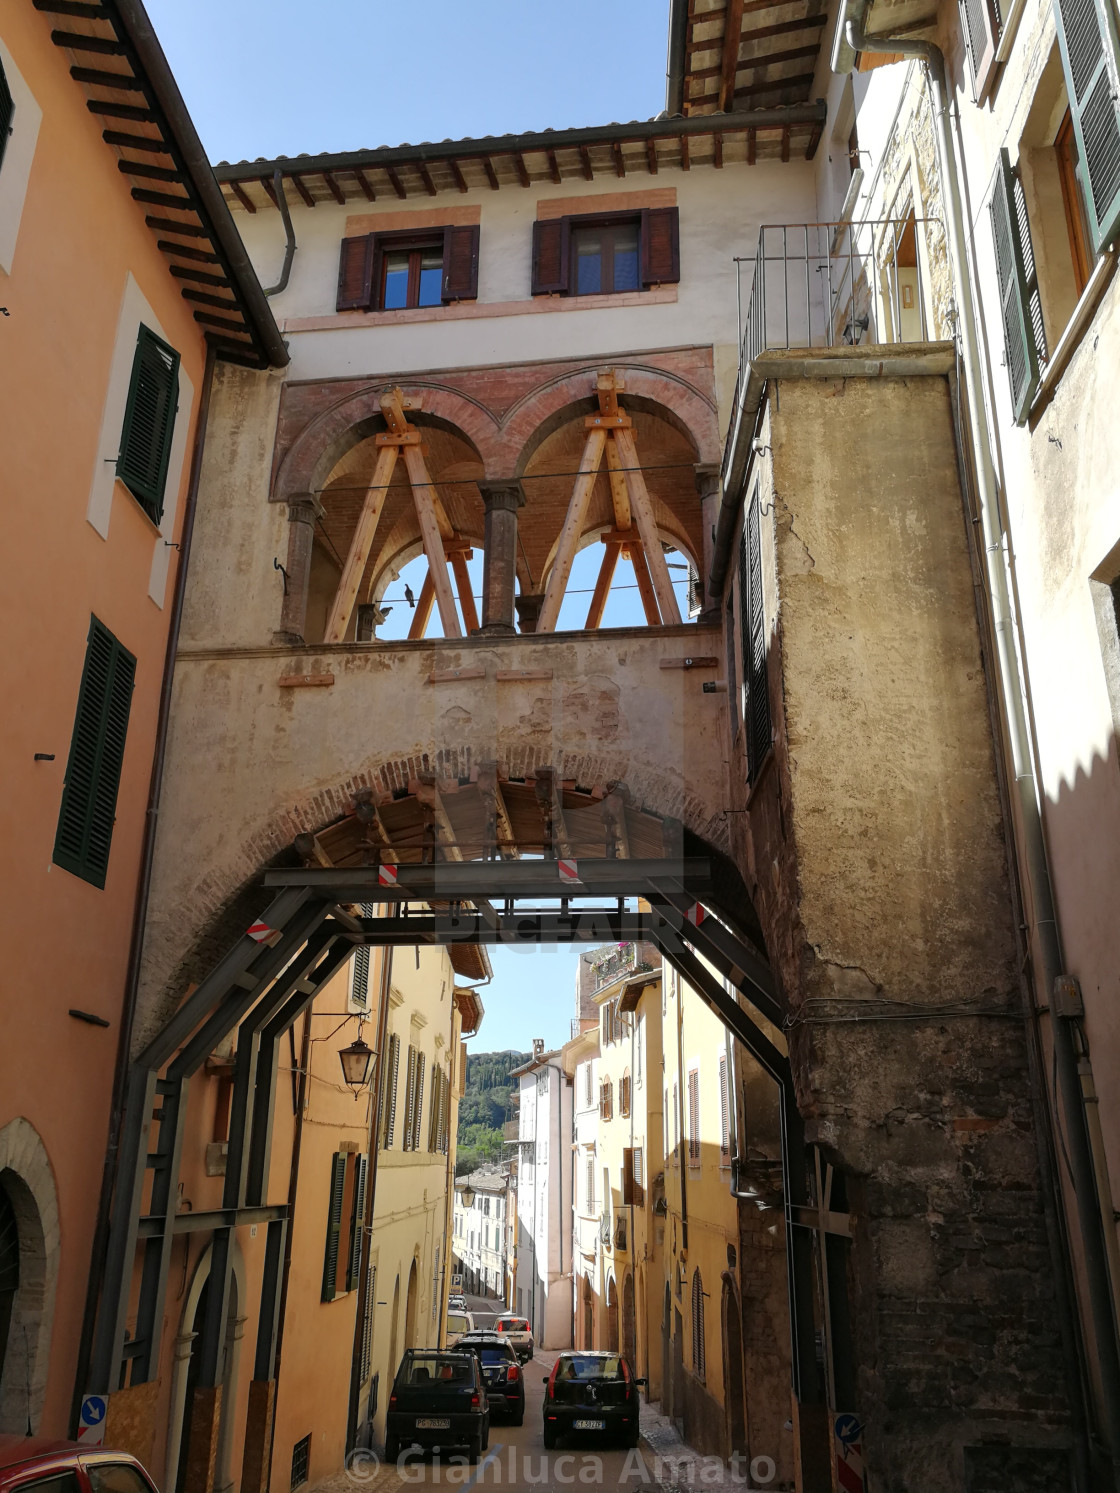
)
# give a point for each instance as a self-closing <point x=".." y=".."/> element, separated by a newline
<point x="401" y="438"/>
<point x="610" y="434"/>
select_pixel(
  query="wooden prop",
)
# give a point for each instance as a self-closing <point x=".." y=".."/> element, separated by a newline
<point x="344" y="598"/>
<point x="595" y="611"/>
<point x="573" y="527"/>
<point x="647" y="529"/>
<point x="424" y="497"/>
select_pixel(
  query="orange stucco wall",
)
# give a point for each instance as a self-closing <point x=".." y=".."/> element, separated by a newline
<point x="66" y="943"/>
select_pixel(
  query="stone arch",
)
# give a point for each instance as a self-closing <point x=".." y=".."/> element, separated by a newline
<point x="394" y="1323"/>
<point x="588" y="1306"/>
<point x="410" y="1308"/>
<point x="356" y="414"/>
<point x="735" y="1405"/>
<point x="29" y="1187"/>
<point x="612" y="1314"/>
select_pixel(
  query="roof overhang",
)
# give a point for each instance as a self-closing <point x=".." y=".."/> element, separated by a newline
<point x="733" y="54"/>
<point x="468" y="1003"/>
<point x="117" y="59"/>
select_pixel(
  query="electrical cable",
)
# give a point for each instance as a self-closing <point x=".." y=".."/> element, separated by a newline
<point x="667" y="466"/>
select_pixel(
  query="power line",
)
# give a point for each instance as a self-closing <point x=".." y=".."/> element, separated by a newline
<point x="668" y="466"/>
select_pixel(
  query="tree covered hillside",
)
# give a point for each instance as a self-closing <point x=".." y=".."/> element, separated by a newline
<point x="485" y="1107"/>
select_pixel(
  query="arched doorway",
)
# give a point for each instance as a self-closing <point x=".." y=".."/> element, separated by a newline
<point x="185" y="1377"/>
<point x="643" y="1368"/>
<point x="29" y="1256"/>
<point x="612" y="1316"/>
<point x="629" y="1326"/>
<point x="394" y="1320"/>
<point x="588" y="1312"/>
<point x="733" y="1370"/>
<point x="410" y="1309"/>
<point x="666" y="1369"/>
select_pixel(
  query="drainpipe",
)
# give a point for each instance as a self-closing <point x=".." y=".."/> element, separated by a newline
<point x="140" y="911"/>
<point x="289" y="231"/>
<point x="678" y="51"/>
<point x="997" y="556"/>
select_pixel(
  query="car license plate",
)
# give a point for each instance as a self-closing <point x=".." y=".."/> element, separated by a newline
<point x="433" y="1425"/>
<point x="589" y="1425"/>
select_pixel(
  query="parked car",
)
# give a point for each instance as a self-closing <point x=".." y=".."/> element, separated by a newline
<point x="437" y="1399"/>
<point x="591" y="1392"/>
<point x="27" y="1462"/>
<point x="517" y="1330"/>
<point x="456" y="1303"/>
<point x="501" y="1368"/>
<point x="457" y="1324"/>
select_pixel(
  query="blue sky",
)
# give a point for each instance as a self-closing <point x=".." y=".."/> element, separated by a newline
<point x="277" y="77"/>
<point x="273" y="77"/>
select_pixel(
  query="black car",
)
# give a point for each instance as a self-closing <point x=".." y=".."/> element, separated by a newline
<point x="591" y="1392"/>
<point x="501" y="1368"/>
<point x="438" y="1399"/>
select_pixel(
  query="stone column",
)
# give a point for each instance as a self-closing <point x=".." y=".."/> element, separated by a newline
<point x="499" y="574"/>
<point x="303" y="510"/>
<point x="707" y="486"/>
<point x="529" y="610"/>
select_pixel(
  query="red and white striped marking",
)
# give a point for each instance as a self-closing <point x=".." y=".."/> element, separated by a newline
<point x="849" y="1467"/>
<point x="261" y="932"/>
<point x="386" y="875"/>
<point x="569" y="872"/>
<point x="695" y="915"/>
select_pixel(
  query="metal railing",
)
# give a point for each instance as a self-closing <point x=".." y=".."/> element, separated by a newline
<point x="627" y="959"/>
<point x="836" y="284"/>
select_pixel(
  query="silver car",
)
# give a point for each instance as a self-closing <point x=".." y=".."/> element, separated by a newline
<point x="517" y="1330"/>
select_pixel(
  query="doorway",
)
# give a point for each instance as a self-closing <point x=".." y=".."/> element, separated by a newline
<point x="612" y="1316"/>
<point x="629" y="1331"/>
<point x="733" y="1371"/>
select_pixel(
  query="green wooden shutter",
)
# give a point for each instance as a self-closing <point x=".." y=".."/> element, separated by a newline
<point x="149" y="422"/>
<point x="981" y="25"/>
<point x="390" y="1100"/>
<point x="1091" y="59"/>
<point x="366" y="1360"/>
<point x="334" y="1224"/>
<point x="418" y="1103"/>
<point x="7" y="113"/>
<point x="93" y="771"/>
<point x="1019" y="344"/>
<point x="361" y="1176"/>
<point x="359" y="983"/>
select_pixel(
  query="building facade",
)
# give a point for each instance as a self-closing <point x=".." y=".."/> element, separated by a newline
<point x="481" y="1232"/>
<point x="542" y="1283"/>
<point x="104" y="380"/>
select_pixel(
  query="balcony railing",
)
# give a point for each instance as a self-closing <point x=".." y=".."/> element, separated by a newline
<point x="834" y="285"/>
<point x="627" y="959"/>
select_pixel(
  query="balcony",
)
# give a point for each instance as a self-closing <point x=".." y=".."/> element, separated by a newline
<point x="828" y="286"/>
<point x="628" y="959"/>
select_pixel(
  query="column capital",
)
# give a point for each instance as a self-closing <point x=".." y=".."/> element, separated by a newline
<point x="707" y="478"/>
<point x="304" y="508"/>
<point x="502" y="494"/>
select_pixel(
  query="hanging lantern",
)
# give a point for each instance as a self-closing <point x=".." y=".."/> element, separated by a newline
<point x="468" y="1196"/>
<point x="355" y="1061"/>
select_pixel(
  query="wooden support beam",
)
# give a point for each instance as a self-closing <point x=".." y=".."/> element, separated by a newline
<point x="717" y="145"/>
<point x="395" y="182"/>
<point x="498" y="833"/>
<point x="619" y="163"/>
<point x="335" y="190"/>
<point x="364" y="182"/>
<point x="549" y="794"/>
<point x="785" y="143"/>
<point x="814" y="141"/>
<point x="270" y="190"/>
<point x="651" y="155"/>
<point x="573" y="528"/>
<point x="522" y="169"/>
<point x="647" y="528"/>
<point x="200" y="277"/>
<point x="426" y="178"/>
<point x="616" y="832"/>
<point x="424" y="496"/>
<point x="100" y="79"/>
<point x="491" y="174"/>
<point x="432" y="800"/>
<point x="135" y="142"/>
<point x="298" y="183"/>
<point x="729" y="60"/>
<point x="553" y="166"/>
<point x="457" y="173"/>
<point x="308" y="848"/>
<point x="645" y="585"/>
<point x="611" y="551"/>
<point x="466" y="598"/>
<point x="685" y="162"/>
<point x="752" y="146"/>
<point x="620" y="495"/>
<point x="377" y="836"/>
<point x="424" y="603"/>
<point x="776" y="85"/>
<point x="243" y="197"/>
<point x="342" y="608"/>
<point x="585" y="157"/>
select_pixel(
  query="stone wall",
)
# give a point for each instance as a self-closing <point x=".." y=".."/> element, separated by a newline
<point x="876" y="853"/>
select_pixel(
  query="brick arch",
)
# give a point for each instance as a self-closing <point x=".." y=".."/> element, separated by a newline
<point x="327" y="438"/>
<point x="656" y="390"/>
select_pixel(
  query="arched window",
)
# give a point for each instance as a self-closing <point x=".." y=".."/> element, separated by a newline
<point x="698" y="1351"/>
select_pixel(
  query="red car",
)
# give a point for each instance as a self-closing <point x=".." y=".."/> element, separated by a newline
<point x="27" y="1463"/>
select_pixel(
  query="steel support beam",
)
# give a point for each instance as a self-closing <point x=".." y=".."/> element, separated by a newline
<point x="463" y="881"/>
<point x="268" y="1322"/>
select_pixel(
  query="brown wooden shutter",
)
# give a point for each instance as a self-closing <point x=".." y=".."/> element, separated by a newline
<point x="627" y="1175"/>
<point x="661" y="252"/>
<point x="981" y="23"/>
<point x="460" y="263"/>
<point x="355" y="274"/>
<point x="551" y="237"/>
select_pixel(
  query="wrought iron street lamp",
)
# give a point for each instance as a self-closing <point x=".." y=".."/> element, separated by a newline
<point x="468" y="1196"/>
<point x="355" y="1061"/>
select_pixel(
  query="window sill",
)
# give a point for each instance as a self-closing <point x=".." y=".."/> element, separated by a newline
<point x="666" y="295"/>
<point x="1075" y="329"/>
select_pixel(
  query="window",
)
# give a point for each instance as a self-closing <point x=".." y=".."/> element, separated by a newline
<point x="589" y="1086"/>
<point x="1090" y="58"/>
<point x="365" y="1361"/>
<point x="752" y="639"/>
<point x="624" y="1094"/>
<point x="93" y="769"/>
<point x="396" y="271"/>
<point x="301" y="1462"/>
<point x="359" y="971"/>
<point x="676" y="1118"/>
<point x="7" y="113"/>
<point x="334" y="1226"/>
<point x="724" y="1110"/>
<point x="606" y="1100"/>
<point x="149" y="422"/>
<point x="982" y="24"/>
<point x="694" y="1117"/>
<point x="640" y="1027"/>
<point x="1020" y="304"/>
<point x="414" y="1093"/>
<point x="389" y="1097"/>
<point x="699" y="1354"/>
<point x="1073" y="200"/>
<point x="632" y="1190"/>
<point x="115" y="1477"/>
<point x="601" y="254"/>
<point x="589" y="1192"/>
